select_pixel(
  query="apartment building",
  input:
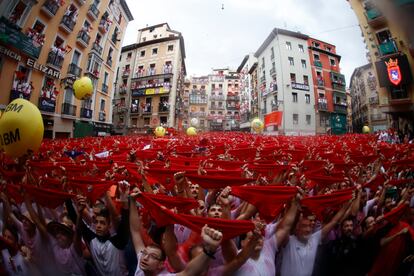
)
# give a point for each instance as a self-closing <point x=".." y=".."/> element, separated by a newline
<point x="329" y="88"/>
<point x="364" y="89"/>
<point x="248" y="105"/>
<point x="224" y="100"/>
<point x="150" y="81"/>
<point x="198" y="99"/>
<point x="45" y="46"/>
<point x="285" y="79"/>
<point x="387" y="30"/>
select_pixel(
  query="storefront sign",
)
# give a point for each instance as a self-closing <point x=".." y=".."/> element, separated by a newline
<point x="43" y="68"/>
<point x="10" y="54"/>
<point x="10" y="35"/>
<point x="47" y="105"/>
<point x="138" y="92"/>
<point x="394" y="72"/>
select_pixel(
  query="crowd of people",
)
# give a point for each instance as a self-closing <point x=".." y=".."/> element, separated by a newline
<point x="212" y="204"/>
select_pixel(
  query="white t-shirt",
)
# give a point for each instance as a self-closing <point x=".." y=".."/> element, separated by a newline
<point x="299" y="258"/>
<point x="68" y="260"/>
<point x="108" y="259"/>
<point x="15" y="265"/>
<point x="265" y="265"/>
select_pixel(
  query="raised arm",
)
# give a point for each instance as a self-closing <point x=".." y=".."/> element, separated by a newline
<point x="169" y="244"/>
<point x="335" y="220"/>
<point x="211" y="239"/>
<point x="37" y="220"/>
<point x="284" y="227"/>
<point x="135" y="224"/>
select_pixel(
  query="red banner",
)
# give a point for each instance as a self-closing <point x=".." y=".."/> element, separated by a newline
<point x="273" y="119"/>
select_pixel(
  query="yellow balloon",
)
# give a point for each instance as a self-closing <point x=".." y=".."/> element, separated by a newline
<point x="365" y="129"/>
<point x="21" y="128"/>
<point x="83" y="88"/>
<point x="257" y="125"/>
<point x="191" y="131"/>
<point x="159" y="131"/>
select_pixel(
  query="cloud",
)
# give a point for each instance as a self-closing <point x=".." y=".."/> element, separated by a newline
<point x="216" y="37"/>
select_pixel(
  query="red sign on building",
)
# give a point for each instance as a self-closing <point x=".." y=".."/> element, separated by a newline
<point x="394" y="72"/>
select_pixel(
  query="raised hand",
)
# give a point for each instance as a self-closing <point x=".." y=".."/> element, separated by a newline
<point x="211" y="237"/>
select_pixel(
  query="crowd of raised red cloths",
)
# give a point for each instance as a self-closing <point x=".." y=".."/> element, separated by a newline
<point x="258" y="178"/>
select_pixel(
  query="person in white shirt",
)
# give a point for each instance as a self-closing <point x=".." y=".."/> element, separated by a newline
<point x="300" y="250"/>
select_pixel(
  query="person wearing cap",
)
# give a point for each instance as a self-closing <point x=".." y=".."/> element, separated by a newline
<point x="67" y="249"/>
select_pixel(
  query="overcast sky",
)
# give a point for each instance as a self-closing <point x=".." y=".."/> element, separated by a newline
<point x="216" y="37"/>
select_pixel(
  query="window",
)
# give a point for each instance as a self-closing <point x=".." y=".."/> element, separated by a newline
<point x="19" y="13"/>
<point x="202" y="123"/>
<point x="292" y="77"/>
<point x="144" y="39"/>
<point x="76" y="57"/>
<point x="142" y="53"/>
<point x="170" y="48"/>
<point x="68" y="96"/>
<point x="301" y="49"/>
<point x="308" y="119"/>
<point x="129" y="56"/>
<point x="155" y="36"/>
<point x="316" y="44"/>
<point x="295" y="97"/>
<point x="288" y="45"/>
<point x="263" y="62"/>
<point x="332" y="62"/>
<point x="305" y="79"/>
<point x="291" y="61"/>
<point x="295" y="119"/>
<point x="272" y="53"/>
<point x="316" y="57"/>
<point x="105" y="80"/>
<point x="154" y="51"/>
<point x="307" y="98"/>
<point x="109" y="60"/>
<point x="327" y="48"/>
<point x="102" y="107"/>
<point x="303" y="63"/>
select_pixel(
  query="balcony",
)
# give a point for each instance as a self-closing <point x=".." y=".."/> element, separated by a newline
<point x="217" y="98"/>
<point x="55" y="60"/>
<point x="74" y="70"/>
<point x="317" y="63"/>
<point x="374" y="17"/>
<point x="378" y="117"/>
<point x="86" y="113"/>
<point x="275" y="107"/>
<point x="109" y="62"/>
<point x="272" y="71"/>
<point x="83" y="39"/>
<point x="126" y="73"/>
<point x="93" y="12"/>
<point x="81" y="2"/>
<point x="272" y="56"/>
<point x="273" y="87"/>
<point x="340" y="108"/>
<point x="50" y="8"/>
<point x="404" y="2"/>
<point x="147" y="109"/>
<point x="388" y="48"/>
<point x="263" y="79"/>
<point x="321" y="83"/>
<point x="121" y="108"/>
<point x="104" y="25"/>
<point x="97" y="48"/>
<point x="102" y="116"/>
<point x="104" y="88"/>
<point x="134" y="109"/>
<point x="122" y="90"/>
<point x="162" y="108"/>
<point x="229" y="107"/>
<point x="67" y="24"/>
<point x="69" y="109"/>
<point x="233" y="98"/>
<point x="322" y="105"/>
<point x="199" y="114"/>
<point x="374" y="100"/>
<point x="46" y="105"/>
<point x="197" y="100"/>
<point x="215" y="107"/>
<point x="300" y="86"/>
<point x="338" y="87"/>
